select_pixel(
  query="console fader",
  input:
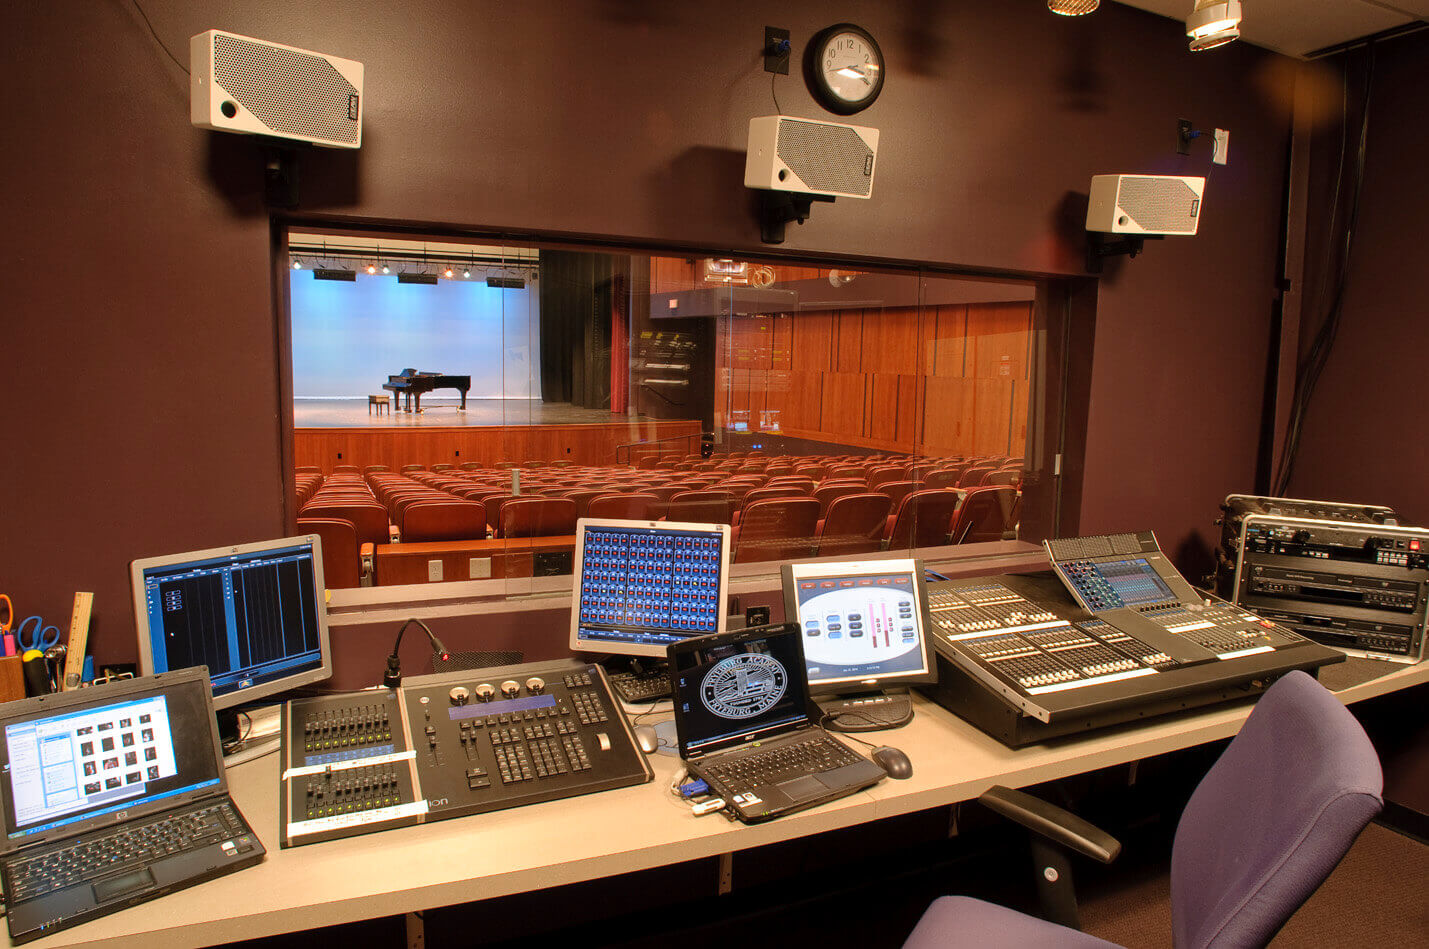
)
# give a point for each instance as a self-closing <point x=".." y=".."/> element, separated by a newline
<point x="449" y="745"/>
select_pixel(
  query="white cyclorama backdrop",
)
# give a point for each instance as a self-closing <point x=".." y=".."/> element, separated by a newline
<point x="349" y="337"/>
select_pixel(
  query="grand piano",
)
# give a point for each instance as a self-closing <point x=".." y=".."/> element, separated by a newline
<point x="412" y="384"/>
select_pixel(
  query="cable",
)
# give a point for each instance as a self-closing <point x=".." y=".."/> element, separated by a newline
<point x="774" y="95"/>
<point x="827" y="719"/>
<point x="392" y="678"/>
<point x="237" y="743"/>
<point x="1319" y="354"/>
<point x="155" y="34"/>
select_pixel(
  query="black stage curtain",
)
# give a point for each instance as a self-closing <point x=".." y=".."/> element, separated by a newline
<point x="575" y="298"/>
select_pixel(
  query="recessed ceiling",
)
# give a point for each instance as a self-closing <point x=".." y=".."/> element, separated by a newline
<point x="1299" y="27"/>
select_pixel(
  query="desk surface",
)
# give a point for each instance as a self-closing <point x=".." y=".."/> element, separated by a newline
<point x="568" y="841"/>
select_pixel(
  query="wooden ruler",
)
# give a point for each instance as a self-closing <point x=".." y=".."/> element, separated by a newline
<point x="78" y="640"/>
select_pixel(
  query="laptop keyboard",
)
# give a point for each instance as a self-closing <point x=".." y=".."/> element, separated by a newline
<point x="783" y="763"/>
<point x="133" y="844"/>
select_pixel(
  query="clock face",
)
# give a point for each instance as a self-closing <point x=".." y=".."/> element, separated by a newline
<point x="743" y="686"/>
<point x="846" y="71"/>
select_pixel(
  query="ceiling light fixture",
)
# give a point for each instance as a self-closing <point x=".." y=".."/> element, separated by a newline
<point x="386" y="269"/>
<point x="371" y="268"/>
<point x="1073" y="7"/>
<point x="449" y="273"/>
<point x="297" y="264"/>
<point x="1213" y="23"/>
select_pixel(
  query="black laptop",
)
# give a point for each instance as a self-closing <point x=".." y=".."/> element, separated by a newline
<point x="747" y="728"/>
<point x="111" y="796"/>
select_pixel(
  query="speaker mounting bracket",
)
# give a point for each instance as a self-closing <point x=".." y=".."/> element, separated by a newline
<point x="1101" y="245"/>
<point x="778" y="208"/>
<point x="280" y="172"/>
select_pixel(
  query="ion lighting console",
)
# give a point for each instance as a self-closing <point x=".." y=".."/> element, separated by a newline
<point x="449" y="745"/>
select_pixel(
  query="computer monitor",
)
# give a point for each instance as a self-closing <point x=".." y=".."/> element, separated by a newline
<point x="865" y="636"/>
<point x="254" y="614"/>
<point x="641" y="585"/>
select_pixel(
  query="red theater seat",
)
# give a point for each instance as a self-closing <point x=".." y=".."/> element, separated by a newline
<point x="538" y="517"/>
<point x="429" y="520"/>
<point x="923" y="518"/>
<point x="855" y="524"/>
<point x="987" y="513"/>
<point x="342" y="557"/>
<point x="777" y="529"/>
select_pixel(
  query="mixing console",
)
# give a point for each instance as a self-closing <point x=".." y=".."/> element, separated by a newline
<point x="451" y="744"/>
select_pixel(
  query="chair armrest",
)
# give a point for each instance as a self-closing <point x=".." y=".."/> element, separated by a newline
<point x="366" y="555"/>
<point x="1052" y="822"/>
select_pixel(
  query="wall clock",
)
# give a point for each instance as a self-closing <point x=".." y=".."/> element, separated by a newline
<point x="844" y="68"/>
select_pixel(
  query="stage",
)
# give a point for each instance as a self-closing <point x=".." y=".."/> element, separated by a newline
<point x="441" y="412"/>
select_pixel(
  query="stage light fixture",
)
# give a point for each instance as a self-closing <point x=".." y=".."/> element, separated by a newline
<point x="466" y="273"/>
<point x="1213" y="23"/>
<point x="297" y="264"/>
<point x="371" y="268"/>
<point x="386" y="269"/>
<point x="449" y="273"/>
<point x="1073" y="7"/>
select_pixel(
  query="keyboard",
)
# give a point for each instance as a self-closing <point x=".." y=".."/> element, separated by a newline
<point x="641" y="687"/>
<point x="812" y="755"/>
<point x="132" y="845"/>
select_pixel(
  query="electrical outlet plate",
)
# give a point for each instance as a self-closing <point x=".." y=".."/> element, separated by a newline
<point x="774" y="61"/>
<point x="1222" y="146"/>
<point x="1184" y="130"/>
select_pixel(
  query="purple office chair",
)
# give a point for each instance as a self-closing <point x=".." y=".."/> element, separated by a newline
<point x="1262" y="831"/>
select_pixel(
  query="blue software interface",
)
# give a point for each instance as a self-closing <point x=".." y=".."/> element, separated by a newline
<point x="649" y="586"/>
<point x="251" y="618"/>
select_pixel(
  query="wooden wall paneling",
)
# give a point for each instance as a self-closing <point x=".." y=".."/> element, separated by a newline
<point x="906" y="429"/>
<point x="890" y="340"/>
<point x="882" y="419"/>
<point x="672" y="274"/>
<point x="812" y="336"/>
<point x="844" y="398"/>
<point x="848" y="340"/>
<point x="804" y="400"/>
<point x="947" y="415"/>
<point x="999" y="337"/>
<point x="1021" y="390"/>
<point x="946" y="341"/>
<point x="992" y="406"/>
<point x="781" y="341"/>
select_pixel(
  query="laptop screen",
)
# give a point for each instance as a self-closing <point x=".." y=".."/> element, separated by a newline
<point x="138" y="744"/>
<point x="738" y="687"/>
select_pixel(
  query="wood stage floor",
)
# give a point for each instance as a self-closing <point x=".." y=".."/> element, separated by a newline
<point x="446" y="413"/>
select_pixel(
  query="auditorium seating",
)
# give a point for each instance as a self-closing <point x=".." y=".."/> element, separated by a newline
<point x="987" y="513"/>
<point x="855" y="523"/>
<point x="344" y="564"/>
<point x="893" y="501"/>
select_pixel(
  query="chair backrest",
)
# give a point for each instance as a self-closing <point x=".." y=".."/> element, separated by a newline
<point x="493" y="504"/>
<point x="942" y="478"/>
<point x="538" y="517"/>
<point x="368" y="517"/>
<point x="443" y="520"/>
<point x="854" y="524"/>
<point x="636" y="507"/>
<point x="988" y="513"/>
<point x="1012" y="476"/>
<point x="825" y="494"/>
<point x="701" y="507"/>
<point x="776" y="529"/>
<point x="1272" y="817"/>
<point x="972" y="477"/>
<point x="342" y="566"/>
<point x="896" y="490"/>
<point x="778" y="491"/>
<point x="923" y="518"/>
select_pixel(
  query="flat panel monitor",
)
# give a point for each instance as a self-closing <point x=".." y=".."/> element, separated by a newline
<point x="864" y="627"/>
<point x="641" y="585"/>
<point x="254" y="614"/>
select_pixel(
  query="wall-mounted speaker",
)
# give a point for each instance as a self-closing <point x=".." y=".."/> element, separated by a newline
<point x="1145" y="204"/>
<point x="241" y="84"/>
<point x="806" y="156"/>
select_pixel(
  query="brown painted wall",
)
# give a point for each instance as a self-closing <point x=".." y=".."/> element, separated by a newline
<point x="1366" y="434"/>
<point x="140" y="339"/>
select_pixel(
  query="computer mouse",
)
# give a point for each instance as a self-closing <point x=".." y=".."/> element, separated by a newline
<point x="894" y="763"/>
<point x="646" y="739"/>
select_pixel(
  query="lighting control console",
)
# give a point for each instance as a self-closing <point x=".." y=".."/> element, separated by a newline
<point x="449" y="745"/>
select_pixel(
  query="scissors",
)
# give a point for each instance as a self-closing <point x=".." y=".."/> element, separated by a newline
<point x="42" y="637"/>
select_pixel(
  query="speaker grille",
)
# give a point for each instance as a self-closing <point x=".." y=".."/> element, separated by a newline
<point x="288" y="91"/>
<point x="826" y="157"/>
<point x="1159" y="204"/>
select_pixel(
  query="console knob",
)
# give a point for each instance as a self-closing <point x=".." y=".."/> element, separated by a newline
<point x="535" y="685"/>
<point x="460" y="695"/>
<point x="511" y="688"/>
<point x="485" y="692"/>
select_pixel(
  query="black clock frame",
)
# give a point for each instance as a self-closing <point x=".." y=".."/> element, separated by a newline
<point x="814" y="74"/>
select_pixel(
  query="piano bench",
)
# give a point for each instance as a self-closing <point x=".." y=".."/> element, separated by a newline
<point x="381" y="401"/>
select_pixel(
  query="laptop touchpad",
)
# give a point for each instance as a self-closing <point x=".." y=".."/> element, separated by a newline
<point x="115" y="887"/>
<point x="800" y="788"/>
